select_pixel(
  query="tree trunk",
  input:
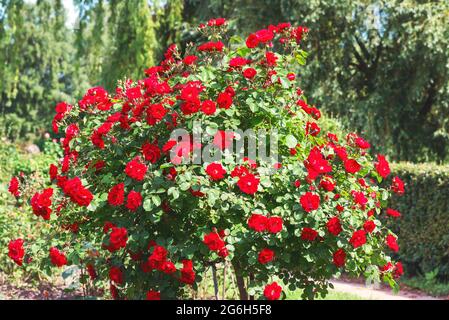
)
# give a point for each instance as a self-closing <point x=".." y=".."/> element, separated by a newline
<point x="240" y="281"/>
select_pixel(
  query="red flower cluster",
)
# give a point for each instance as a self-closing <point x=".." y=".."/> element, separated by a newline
<point x="13" y="187"/>
<point x="41" y="203"/>
<point x="116" y="195"/>
<point x="392" y="242"/>
<point x="339" y="258"/>
<point x="116" y="275"/>
<point x="16" y="251"/>
<point x="215" y="243"/>
<point x="117" y="239"/>
<point x="187" y="273"/>
<point x="308" y="234"/>
<point x="358" y="238"/>
<point x="382" y="166"/>
<point x="57" y="257"/>
<point x="77" y="192"/>
<point x="153" y="295"/>
<point x="398" y="186"/>
<point x="316" y="164"/>
<point x="261" y="223"/>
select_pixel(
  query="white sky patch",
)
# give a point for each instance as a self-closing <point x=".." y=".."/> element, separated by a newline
<point x="71" y="13"/>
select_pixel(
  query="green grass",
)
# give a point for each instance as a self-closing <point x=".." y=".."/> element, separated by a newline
<point x="332" y="295"/>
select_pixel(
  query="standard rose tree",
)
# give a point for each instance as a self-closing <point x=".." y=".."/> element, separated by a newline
<point x="127" y="207"/>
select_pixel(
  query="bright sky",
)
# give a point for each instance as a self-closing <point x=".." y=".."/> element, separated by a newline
<point x="70" y="11"/>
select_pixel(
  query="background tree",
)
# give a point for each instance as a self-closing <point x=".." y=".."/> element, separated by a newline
<point x="35" y="62"/>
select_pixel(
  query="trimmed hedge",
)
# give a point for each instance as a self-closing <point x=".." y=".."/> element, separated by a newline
<point x="423" y="228"/>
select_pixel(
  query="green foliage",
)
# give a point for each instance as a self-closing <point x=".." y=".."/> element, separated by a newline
<point x="382" y="66"/>
<point x="16" y="218"/>
<point x="423" y="228"/>
<point x="35" y="62"/>
<point x="179" y="211"/>
<point x="428" y="283"/>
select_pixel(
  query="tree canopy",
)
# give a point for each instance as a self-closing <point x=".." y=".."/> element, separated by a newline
<point x="378" y="66"/>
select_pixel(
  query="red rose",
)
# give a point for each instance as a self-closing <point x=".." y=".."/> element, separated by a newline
<point x="223" y="252"/>
<point x="334" y="226"/>
<point x="265" y="256"/>
<point x="352" y="166"/>
<point x="274" y="224"/>
<point x="359" y="198"/>
<point x="13" y="187"/>
<point x="327" y="183"/>
<point x="238" y="62"/>
<point x="258" y="222"/>
<point x="271" y="59"/>
<point x="361" y="143"/>
<point x="211" y="46"/>
<point x="57" y="257"/>
<point x="136" y="170"/>
<point x="187" y="273"/>
<point x="189" y="60"/>
<point x="310" y="201"/>
<point x="248" y="183"/>
<point x="393" y="213"/>
<point x="215" y="171"/>
<point x="153" y="295"/>
<point x="41" y="203"/>
<point x="358" y="238"/>
<point x="391" y="243"/>
<point x="312" y="128"/>
<point x="339" y="258"/>
<point x="116" y="275"/>
<point x="155" y="113"/>
<point x="308" y="234"/>
<point x="151" y="152"/>
<point x="398" y="270"/>
<point x="272" y="291"/>
<point x="398" y="186"/>
<point x="117" y="239"/>
<point x="116" y="195"/>
<point x="91" y="271"/>
<point x="16" y="251"/>
<point x="382" y="166"/>
<point x="213" y="241"/>
<point x="224" y="100"/>
<point x="369" y="226"/>
<point x="77" y="192"/>
<point x="249" y="73"/>
<point x="264" y="35"/>
<point x="168" y="267"/>
<point x="208" y="107"/>
<point x="134" y="200"/>
<point x="316" y="164"/>
<point x="252" y="41"/>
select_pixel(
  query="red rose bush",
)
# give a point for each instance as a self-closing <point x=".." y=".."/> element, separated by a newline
<point x="145" y="214"/>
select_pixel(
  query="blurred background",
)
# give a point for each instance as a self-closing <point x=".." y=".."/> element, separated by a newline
<point x="380" y="68"/>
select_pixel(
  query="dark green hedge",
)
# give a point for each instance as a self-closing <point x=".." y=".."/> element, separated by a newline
<point x="423" y="228"/>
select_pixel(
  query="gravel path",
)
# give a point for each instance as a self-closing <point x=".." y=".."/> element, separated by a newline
<point x="377" y="293"/>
